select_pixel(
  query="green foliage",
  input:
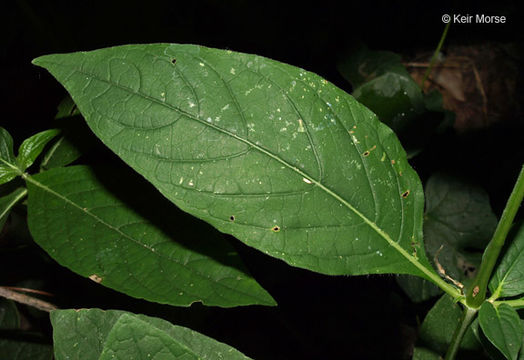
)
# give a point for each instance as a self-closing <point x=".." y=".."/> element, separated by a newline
<point x="7" y="158"/>
<point x="502" y="326"/>
<point x="508" y="279"/>
<point x="439" y="324"/>
<point x="32" y="147"/>
<point x="458" y="223"/>
<point x="19" y="344"/>
<point x="114" y="243"/>
<point x="276" y="156"/>
<point x="73" y="143"/>
<point x="289" y="178"/>
<point x="62" y="153"/>
<point x="29" y="150"/>
<point x="381" y="82"/>
<point x="459" y="219"/>
<point x="96" y="334"/>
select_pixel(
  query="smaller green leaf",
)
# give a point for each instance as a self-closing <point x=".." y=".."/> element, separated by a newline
<point x="66" y="109"/>
<point x="502" y="326"/>
<point x="458" y="224"/>
<point x="6" y="146"/>
<point x="8" y="171"/>
<point x="396" y="99"/>
<point x="363" y="65"/>
<point x="439" y="325"/>
<point x="508" y="279"/>
<point x="382" y="83"/>
<point x="9" y="200"/>
<point x="33" y="146"/>
<point x="63" y="152"/>
<point x="73" y="142"/>
<point x="94" y="334"/>
<point x="134" y="241"/>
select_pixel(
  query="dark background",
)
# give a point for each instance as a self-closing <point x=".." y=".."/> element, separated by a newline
<point x="318" y="317"/>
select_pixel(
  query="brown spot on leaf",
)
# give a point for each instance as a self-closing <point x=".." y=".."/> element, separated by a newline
<point x="276" y="228"/>
<point x="232" y="218"/>
<point x="405" y="194"/>
<point x="173" y="61"/>
<point x="96" y="278"/>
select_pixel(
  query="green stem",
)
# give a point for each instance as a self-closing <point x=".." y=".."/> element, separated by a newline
<point x="435" y="55"/>
<point x="476" y="293"/>
<point x="515" y="303"/>
<point x="467" y="317"/>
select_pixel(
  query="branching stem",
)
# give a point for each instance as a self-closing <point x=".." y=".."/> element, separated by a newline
<point x="467" y="317"/>
<point x="476" y="293"/>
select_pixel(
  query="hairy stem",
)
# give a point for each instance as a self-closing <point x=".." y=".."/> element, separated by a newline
<point x="435" y="55"/>
<point x="476" y="293"/>
<point x="467" y="317"/>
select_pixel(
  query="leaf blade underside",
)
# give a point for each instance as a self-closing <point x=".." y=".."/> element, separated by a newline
<point x="265" y="151"/>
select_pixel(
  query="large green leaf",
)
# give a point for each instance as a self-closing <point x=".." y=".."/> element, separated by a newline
<point x="508" y="279"/>
<point x="460" y="220"/>
<point x="502" y="326"/>
<point x="121" y="233"/>
<point x="270" y="153"/>
<point x="93" y="334"/>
